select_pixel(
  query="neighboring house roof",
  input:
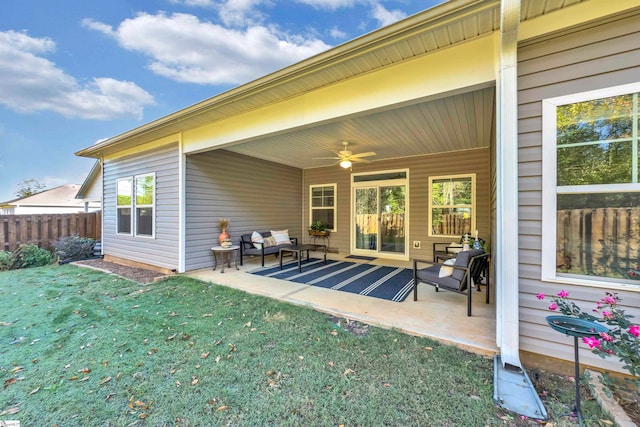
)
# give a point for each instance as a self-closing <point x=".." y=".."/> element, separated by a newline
<point x="91" y="189"/>
<point x="62" y="196"/>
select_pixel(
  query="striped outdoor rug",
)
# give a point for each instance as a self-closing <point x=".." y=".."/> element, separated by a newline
<point x="390" y="283"/>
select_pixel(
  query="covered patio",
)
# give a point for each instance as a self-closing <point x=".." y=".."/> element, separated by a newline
<point x="441" y="316"/>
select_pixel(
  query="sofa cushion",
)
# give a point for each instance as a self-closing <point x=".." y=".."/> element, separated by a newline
<point x="257" y="239"/>
<point x="281" y="236"/>
<point x="269" y="241"/>
<point x="446" y="269"/>
<point x="462" y="260"/>
<point x="431" y="275"/>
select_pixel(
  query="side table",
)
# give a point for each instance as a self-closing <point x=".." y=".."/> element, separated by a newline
<point x="225" y="255"/>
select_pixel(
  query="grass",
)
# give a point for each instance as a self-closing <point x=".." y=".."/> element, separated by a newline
<point x="80" y="347"/>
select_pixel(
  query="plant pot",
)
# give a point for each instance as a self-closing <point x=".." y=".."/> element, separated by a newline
<point x="323" y="233"/>
<point x="224" y="237"/>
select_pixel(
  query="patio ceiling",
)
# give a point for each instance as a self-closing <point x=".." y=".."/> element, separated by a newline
<point x="458" y="122"/>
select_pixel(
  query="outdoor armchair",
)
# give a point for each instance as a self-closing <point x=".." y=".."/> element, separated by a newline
<point x="457" y="277"/>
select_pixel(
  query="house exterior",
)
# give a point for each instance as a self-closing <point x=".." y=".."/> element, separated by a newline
<point x="90" y="192"/>
<point x="56" y="200"/>
<point x="514" y="104"/>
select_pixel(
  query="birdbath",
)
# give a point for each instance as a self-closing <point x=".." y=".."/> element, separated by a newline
<point x="577" y="328"/>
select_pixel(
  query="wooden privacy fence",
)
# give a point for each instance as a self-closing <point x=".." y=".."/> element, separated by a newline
<point x="604" y="242"/>
<point x="452" y="225"/>
<point x="44" y="229"/>
<point x="392" y="223"/>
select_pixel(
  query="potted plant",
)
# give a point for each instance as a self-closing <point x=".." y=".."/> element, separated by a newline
<point x="224" y="238"/>
<point x="317" y="228"/>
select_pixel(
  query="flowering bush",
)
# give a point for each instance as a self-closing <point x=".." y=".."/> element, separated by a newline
<point x="622" y="339"/>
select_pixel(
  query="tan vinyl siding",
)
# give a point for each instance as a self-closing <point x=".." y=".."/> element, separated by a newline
<point x="254" y="194"/>
<point x="161" y="250"/>
<point x="589" y="58"/>
<point x="420" y="169"/>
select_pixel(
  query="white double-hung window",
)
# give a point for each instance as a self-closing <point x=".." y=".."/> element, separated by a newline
<point x="591" y="190"/>
<point x="452" y="205"/>
<point x="135" y="205"/>
<point x="124" y="205"/>
<point x="322" y="205"/>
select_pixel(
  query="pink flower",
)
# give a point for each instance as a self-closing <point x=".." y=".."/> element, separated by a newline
<point x="563" y="294"/>
<point x="635" y="330"/>
<point x="540" y="296"/>
<point x="591" y="342"/>
<point x="607" y="314"/>
<point x="553" y="306"/>
<point x="605" y="336"/>
<point x="609" y="300"/>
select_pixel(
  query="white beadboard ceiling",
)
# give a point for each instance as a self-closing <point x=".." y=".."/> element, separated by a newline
<point x="458" y="122"/>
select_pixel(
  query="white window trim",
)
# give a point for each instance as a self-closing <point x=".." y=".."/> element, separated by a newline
<point x="131" y="181"/>
<point x="549" y="190"/>
<point x="334" y="207"/>
<point x="473" y="202"/>
<point x="152" y="206"/>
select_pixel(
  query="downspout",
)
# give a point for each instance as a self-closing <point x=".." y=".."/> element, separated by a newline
<point x="182" y="207"/>
<point x="507" y="257"/>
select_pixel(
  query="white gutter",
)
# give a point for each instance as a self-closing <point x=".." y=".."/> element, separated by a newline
<point x="506" y="260"/>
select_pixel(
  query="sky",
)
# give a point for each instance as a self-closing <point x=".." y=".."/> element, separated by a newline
<point x="76" y="72"/>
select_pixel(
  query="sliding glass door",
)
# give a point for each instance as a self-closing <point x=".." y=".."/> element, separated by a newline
<point x="379" y="215"/>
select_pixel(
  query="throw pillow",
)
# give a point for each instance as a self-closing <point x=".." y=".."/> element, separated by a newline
<point x="447" y="268"/>
<point x="269" y="241"/>
<point x="257" y="240"/>
<point x="281" y="236"/>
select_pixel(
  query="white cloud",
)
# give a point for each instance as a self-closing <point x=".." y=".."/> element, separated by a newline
<point x="29" y="82"/>
<point x="185" y="49"/>
<point x="337" y="34"/>
<point x="331" y="4"/>
<point x="387" y="17"/>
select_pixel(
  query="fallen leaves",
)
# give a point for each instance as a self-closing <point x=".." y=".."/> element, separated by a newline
<point x="105" y="380"/>
<point x="10" y="411"/>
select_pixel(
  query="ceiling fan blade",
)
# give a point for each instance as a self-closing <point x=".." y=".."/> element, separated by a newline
<point x="327" y="158"/>
<point x="359" y="160"/>
<point x="367" y="154"/>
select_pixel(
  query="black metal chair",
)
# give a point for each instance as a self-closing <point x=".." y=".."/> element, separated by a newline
<point x="469" y="265"/>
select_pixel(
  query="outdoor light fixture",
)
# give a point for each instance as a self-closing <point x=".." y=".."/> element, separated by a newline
<point x="345" y="164"/>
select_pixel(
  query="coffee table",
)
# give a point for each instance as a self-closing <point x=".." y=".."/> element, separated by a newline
<point x="297" y="250"/>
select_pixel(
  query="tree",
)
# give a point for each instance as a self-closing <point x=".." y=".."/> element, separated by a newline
<point x="29" y="187"/>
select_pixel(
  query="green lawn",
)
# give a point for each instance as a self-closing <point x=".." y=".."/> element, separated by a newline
<point x="80" y="347"/>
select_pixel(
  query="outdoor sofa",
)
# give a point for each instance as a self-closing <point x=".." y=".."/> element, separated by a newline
<point x="269" y="246"/>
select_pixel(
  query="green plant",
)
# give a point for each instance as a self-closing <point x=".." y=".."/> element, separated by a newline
<point x="73" y="247"/>
<point x="30" y="255"/>
<point x="317" y="226"/>
<point x="6" y="260"/>
<point x="622" y="339"/>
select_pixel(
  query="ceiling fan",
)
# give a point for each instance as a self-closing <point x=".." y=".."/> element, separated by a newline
<point x="345" y="157"/>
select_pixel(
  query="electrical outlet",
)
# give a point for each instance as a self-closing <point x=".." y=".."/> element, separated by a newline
<point x="416" y="244"/>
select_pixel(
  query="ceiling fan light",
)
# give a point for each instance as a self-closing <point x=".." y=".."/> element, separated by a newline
<point x="345" y="164"/>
